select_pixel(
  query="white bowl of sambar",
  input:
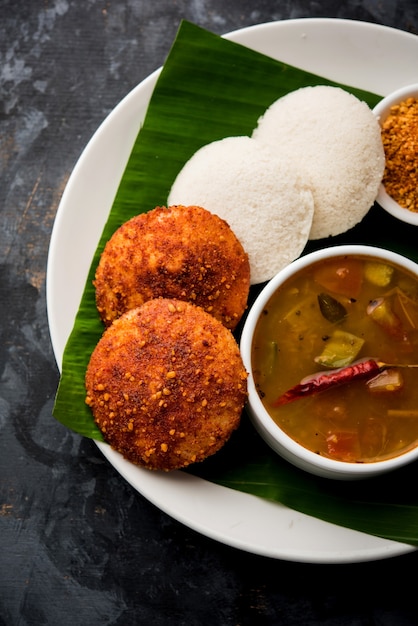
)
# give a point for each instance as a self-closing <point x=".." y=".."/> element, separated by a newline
<point x="331" y="347"/>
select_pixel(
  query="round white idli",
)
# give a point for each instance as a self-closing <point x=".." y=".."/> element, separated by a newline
<point x="334" y="139"/>
<point x="263" y="199"/>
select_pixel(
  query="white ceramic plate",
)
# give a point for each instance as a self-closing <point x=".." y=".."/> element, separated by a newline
<point x="367" y="56"/>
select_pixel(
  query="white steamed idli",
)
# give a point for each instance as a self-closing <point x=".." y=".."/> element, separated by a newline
<point x="334" y="139"/>
<point x="263" y="199"/>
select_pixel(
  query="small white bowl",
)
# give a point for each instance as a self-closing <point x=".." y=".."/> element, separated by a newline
<point x="381" y="111"/>
<point x="274" y="436"/>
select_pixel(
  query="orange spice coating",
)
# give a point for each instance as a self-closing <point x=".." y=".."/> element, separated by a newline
<point x="166" y="384"/>
<point x="400" y="142"/>
<point x="178" y="252"/>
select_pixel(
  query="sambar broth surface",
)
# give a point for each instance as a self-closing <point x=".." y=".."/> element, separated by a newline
<point x="348" y="422"/>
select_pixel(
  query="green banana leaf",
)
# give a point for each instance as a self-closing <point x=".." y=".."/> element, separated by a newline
<point x="210" y="88"/>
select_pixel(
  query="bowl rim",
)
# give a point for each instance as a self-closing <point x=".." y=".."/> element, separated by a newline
<point x="381" y="111"/>
<point x="259" y="416"/>
<point x="392" y="98"/>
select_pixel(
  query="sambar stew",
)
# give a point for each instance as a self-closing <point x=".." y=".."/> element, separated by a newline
<point x="323" y="321"/>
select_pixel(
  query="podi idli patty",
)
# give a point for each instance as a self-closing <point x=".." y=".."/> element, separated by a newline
<point x="166" y="384"/>
<point x="178" y="252"/>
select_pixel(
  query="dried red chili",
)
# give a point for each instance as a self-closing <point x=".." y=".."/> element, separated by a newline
<point x="364" y="369"/>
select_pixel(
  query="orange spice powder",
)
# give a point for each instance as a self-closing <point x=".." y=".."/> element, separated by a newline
<point x="400" y="142"/>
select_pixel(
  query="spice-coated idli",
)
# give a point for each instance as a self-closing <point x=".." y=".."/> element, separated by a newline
<point x="182" y="252"/>
<point x="166" y="384"/>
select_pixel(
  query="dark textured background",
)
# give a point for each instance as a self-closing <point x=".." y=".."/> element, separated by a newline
<point x="77" y="544"/>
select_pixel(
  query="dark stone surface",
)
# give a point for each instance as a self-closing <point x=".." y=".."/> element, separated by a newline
<point x="77" y="544"/>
